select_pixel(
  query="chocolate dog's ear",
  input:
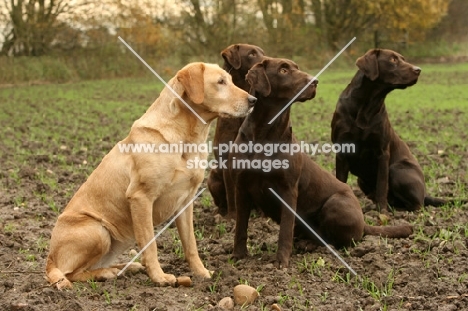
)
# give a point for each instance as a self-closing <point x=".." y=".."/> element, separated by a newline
<point x="232" y="56"/>
<point x="258" y="79"/>
<point x="369" y="65"/>
<point x="191" y="78"/>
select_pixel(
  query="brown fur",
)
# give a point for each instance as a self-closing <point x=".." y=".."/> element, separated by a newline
<point x="387" y="171"/>
<point x="238" y="59"/>
<point x="327" y="204"/>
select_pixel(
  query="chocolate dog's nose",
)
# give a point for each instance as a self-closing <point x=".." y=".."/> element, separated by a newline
<point x="417" y="70"/>
<point x="252" y="100"/>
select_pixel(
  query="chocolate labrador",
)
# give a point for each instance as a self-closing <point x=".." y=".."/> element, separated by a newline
<point x="326" y="203"/>
<point x="238" y="59"/>
<point x="387" y="171"/>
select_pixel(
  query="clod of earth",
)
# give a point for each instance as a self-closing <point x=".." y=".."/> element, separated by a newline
<point x="184" y="281"/>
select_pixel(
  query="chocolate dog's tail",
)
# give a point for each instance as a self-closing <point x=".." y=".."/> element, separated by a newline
<point x="437" y="202"/>
<point x="402" y="231"/>
<point x="55" y="276"/>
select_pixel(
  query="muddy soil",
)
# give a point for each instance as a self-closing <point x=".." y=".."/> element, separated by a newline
<point x="427" y="271"/>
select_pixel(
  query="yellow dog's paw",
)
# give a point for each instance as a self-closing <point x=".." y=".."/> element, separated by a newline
<point x="108" y="274"/>
<point x="135" y="267"/>
<point x="164" y="279"/>
<point x="207" y="274"/>
<point x="63" y="284"/>
<point x="203" y="273"/>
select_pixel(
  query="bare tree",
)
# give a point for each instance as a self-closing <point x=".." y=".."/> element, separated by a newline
<point x="344" y="19"/>
<point x="286" y="25"/>
<point x="31" y="25"/>
<point x="204" y="27"/>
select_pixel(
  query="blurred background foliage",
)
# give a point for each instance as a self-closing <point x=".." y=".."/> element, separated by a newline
<point x="60" y="41"/>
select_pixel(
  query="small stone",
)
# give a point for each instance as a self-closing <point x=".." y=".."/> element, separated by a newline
<point x="270" y="300"/>
<point x="384" y="219"/>
<point x="443" y="180"/>
<point x="275" y="307"/>
<point x="18" y="306"/>
<point x="226" y="303"/>
<point x="244" y="294"/>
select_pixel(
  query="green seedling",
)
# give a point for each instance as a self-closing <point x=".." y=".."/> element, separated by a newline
<point x="221" y="229"/>
<point x="9" y="228"/>
<point x="214" y="287"/>
<point x="107" y="297"/>
<point x="93" y="285"/>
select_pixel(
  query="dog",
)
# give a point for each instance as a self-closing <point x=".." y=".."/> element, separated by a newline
<point x="129" y="193"/>
<point x="324" y="202"/>
<point x="387" y="172"/>
<point x="238" y="59"/>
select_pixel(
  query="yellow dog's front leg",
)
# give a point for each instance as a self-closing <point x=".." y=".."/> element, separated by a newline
<point x="185" y="227"/>
<point x="141" y="208"/>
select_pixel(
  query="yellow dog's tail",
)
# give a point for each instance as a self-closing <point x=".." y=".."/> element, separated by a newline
<point x="55" y="276"/>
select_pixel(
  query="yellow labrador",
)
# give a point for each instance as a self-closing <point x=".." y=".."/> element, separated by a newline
<point x="129" y="193"/>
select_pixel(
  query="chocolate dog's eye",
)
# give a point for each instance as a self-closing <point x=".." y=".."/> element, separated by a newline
<point x="283" y="70"/>
<point x="393" y="59"/>
<point x="252" y="54"/>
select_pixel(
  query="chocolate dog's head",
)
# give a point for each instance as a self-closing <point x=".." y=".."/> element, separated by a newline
<point x="238" y="59"/>
<point x="281" y="78"/>
<point x="388" y="67"/>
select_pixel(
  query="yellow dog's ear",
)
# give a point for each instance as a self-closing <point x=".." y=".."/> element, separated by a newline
<point x="191" y="78"/>
<point x="368" y="64"/>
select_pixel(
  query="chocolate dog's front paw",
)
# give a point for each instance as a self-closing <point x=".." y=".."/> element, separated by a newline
<point x="306" y="245"/>
<point x="281" y="262"/>
<point x="382" y="208"/>
<point x="238" y="255"/>
<point x="281" y="265"/>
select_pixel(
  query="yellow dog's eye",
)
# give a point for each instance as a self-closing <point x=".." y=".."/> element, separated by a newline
<point x="221" y="81"/>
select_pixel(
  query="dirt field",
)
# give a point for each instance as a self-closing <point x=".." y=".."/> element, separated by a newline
<point x="53" y="136"/>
